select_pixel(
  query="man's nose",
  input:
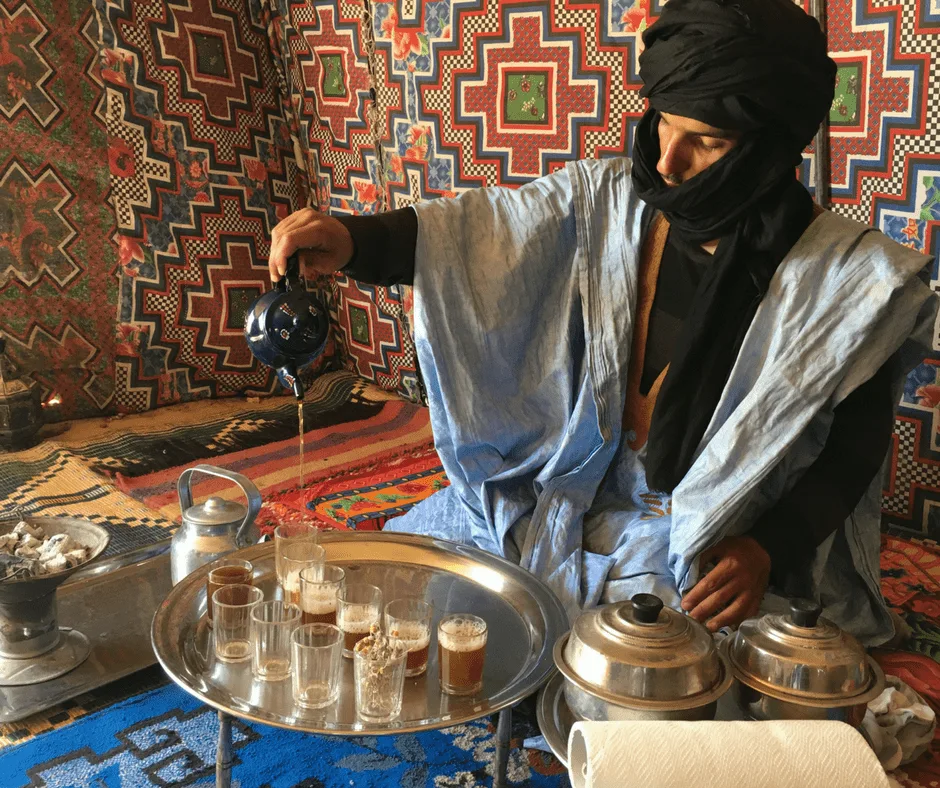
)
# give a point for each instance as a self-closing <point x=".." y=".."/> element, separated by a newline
<point x="671" y="161"/>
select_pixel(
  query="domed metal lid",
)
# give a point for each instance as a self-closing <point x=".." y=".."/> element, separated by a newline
<point x="801" y="656"/>
<point x="215" y="511"/>
<point x="642" y="654"/>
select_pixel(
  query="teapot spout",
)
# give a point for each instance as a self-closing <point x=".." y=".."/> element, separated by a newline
<point x="289" y="375"/>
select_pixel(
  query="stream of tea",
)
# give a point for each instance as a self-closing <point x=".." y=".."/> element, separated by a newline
<point x="300" y="431"/>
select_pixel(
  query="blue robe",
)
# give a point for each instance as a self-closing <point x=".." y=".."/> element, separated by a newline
<point x="525" y="302"/>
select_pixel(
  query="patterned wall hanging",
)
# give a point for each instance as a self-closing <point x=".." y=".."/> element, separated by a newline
<point x="58" y="295"/>
<point x="202" y="168"/>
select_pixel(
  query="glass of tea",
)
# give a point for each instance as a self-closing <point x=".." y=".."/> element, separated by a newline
<point x="231" y="632"/>
<point x="358" y="607"/>
<point x="228" y="571"/>
<point x="409" y="620"/>
<point x="461" y="649"/>
<point x="319" y="587"/>
<point x="295" y="558"/>
<point x="272" y="624"/>
<point x="318" y="657"/>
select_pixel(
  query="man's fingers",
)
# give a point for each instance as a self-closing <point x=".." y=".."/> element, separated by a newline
<point x="715" y="602"/>
<point x="732" y="615"/>
<point x="709" y="584"/>
<point x="302" y="236"/>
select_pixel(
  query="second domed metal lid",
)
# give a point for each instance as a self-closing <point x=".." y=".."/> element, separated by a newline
<point x="801" y="655"/>
<point x="642" y="653"/>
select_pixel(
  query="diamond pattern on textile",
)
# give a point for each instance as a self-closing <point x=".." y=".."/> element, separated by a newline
<point x="373" y="336"/>
<point x="447" y="70"/>
<point x="202" y="168"/>
<point x="57" y="294"/>
<point x="24" y="70"/>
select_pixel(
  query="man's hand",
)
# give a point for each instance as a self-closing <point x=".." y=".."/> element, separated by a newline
<point x="732" y="591"/>
<point x="326" y="243"/>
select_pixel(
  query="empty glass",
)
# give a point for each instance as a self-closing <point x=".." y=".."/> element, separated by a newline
<point x="319" y="587"/>
<point x="272" y="624"/>
<point x="229" y="571"/>
<point x="358" y="607"/>
<point x="295" y="557"/>
<point x="291" y="533"/>
<point x="379" y="675"/>
<point x="231" y="630"/>
<point x="409" y="620"/>
<point x="318" y="658"/>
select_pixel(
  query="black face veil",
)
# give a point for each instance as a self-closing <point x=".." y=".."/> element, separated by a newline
<point x="758" y="67"/>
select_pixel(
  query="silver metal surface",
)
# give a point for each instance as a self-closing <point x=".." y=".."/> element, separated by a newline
<point x="819" y="662"/>
<point x="214" y="528"/>
<point x="638" y="652"/>
<point x="501" y="756"/>
<point x="114" y="612"/>
<point x="554" y="717"/>
<point x="112" y="563"/>
<point x="28" y="615"/>
<point x="223" y="752"/>
<point x="556" y="720"/>
<point x="760" y="700"/>
<point x="524" y="619"/>
<point x="71" y="651"/>
<point x="590" y="700"/>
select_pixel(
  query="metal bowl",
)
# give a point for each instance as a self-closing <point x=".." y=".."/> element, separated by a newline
<point x="28" y="613"/>
<point x="640" y="660"/>
<point x="85" y="532"/>
<point x="801" y="666"/>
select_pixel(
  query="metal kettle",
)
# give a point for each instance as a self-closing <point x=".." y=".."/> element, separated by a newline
<point x="211" y="529"/>
<point x="287" y="328"/>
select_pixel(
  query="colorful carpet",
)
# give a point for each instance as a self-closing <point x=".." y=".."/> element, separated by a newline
<point x="357" y="474"/>
<point x="166" y="738"/>
<point x="81" y="469"/>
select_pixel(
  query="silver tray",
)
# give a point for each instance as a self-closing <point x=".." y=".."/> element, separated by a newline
<point x="554" y="717"/>
<point x="524" y="619"/>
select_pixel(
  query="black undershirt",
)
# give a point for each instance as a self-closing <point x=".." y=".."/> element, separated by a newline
<point x="822" y="498"/>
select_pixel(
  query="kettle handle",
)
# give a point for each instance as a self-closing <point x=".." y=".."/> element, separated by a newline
<point x="184" y="490"/>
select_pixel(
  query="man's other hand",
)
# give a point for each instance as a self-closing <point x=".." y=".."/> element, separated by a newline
<point x="325" y="243"/>
<point x="732" y="591"/>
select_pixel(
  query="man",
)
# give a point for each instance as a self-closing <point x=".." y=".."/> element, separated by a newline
<point x="674" y="377"/>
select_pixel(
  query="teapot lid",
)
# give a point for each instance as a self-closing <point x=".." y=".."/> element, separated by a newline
<point x="215" y="511"/>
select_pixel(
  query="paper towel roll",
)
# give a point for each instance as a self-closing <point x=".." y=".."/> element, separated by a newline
<point x="784" y="754"/>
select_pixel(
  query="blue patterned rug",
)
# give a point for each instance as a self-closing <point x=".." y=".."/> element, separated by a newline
<point x="167" y="738"/>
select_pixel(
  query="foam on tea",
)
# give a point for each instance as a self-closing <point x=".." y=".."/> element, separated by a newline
<point x="461" y="651"/>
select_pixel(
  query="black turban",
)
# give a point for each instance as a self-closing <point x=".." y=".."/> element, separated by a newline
<point x="743" y="65"/>
<point x="758" y="67"/>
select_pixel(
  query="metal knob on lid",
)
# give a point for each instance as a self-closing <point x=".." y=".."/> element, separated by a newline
<point x="801" y="654"/>
<point x="215" y="511"/>
<point x="640" y="653"/>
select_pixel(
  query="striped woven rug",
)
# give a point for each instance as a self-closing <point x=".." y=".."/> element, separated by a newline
<point x="357" y="474"/>
<point x="85" y="468"/>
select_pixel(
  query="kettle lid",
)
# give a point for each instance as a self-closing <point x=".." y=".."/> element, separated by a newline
<point x="215" y="511"/>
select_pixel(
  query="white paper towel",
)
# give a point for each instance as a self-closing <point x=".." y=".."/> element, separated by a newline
<point x="785" y="754"/>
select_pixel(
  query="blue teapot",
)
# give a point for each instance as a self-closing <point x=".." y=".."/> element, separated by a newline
<point x="287" y="328"/>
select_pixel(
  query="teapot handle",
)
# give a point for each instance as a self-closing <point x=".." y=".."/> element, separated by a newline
<point x="184" y="490"/>
<point x="291" y="276"/>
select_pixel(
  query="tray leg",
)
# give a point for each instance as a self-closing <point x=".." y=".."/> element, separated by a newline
<point x="503" y="731"/>
<point x="223" y="754"/>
